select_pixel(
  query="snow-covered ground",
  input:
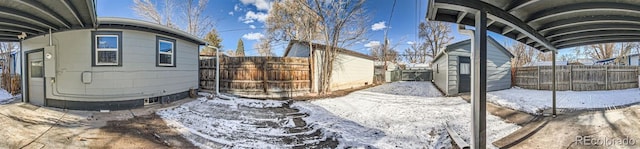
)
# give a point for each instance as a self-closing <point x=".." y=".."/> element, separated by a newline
<point x="249" y="123"/>
<point x="5" y="97"/>
<point x="407" y="121"/>
<point x="413" y="88"/>
<point x="395" y="115"/>
<point x="534" y="101"/>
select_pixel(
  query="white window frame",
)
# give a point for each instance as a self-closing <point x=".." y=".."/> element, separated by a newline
<point x="166" y="53"/>
<point x="116" y="49"/>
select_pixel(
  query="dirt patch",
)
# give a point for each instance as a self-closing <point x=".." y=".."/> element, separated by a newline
<point x="148" y="131"/>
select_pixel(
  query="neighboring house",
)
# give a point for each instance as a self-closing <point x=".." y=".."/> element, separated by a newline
<point x="350" y="70"/>
<point x="547" y="63"/>
<point x="452" y="67"/>
<point x="417" y="66"/>
<point x="390" y="65"/>
<point x="13" y="62"/>
<point x="74" y="60"/>
<point x="629" y="60"/>
<point x="586" y="61"/>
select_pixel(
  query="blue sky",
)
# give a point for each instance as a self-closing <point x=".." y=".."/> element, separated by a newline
<point x="244" y="19"/>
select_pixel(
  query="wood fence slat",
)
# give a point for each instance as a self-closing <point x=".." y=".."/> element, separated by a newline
<point x="257" y="75"/>
<point x="580" y="78"/>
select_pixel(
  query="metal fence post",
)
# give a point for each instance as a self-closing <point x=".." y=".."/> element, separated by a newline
<point x="570" y="77"/>
<point x="538" y="77"/>
<point x="606" y="77"/>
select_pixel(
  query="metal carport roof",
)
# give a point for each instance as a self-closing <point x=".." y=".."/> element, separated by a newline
<point x="548" y="24"/>
<point x="36" y="17"/>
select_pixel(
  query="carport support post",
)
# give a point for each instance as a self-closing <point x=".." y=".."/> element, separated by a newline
<point x="553" y="78"/>
<point x="479" y="81"/>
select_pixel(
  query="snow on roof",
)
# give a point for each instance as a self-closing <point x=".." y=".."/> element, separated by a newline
<point x="547" y="63"/>
<point x="418" y="66"/>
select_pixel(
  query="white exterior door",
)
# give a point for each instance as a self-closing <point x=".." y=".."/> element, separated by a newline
<point x="35" y="71"/>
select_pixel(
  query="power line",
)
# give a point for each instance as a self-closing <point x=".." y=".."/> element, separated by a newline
<point x="239" y="29"/>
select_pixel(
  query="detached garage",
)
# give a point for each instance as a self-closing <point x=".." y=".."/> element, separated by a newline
<point x="452" y="67"/>
<point x="350" y="70"/>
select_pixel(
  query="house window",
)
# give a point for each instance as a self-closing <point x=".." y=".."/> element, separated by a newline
<point x="36" y="69"/>
<point x="465" y="68"/>
<point x="165" y="52"/>
<point x="107" y="48"/>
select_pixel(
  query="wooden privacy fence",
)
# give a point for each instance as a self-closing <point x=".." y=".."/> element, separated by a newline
<point x="577" y="78"/>
<point x="258" y="76"/>
<point x="11" y="83"/>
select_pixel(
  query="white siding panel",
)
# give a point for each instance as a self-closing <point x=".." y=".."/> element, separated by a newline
<point x="440" y="73"/>
<point x="351" y="72"/>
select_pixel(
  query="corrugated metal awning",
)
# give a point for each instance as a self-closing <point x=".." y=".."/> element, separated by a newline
<point x="548" y="24"/>
<point x="36" y="17"/>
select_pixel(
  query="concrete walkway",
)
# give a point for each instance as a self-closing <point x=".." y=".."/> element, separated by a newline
<point x="612" y="125"/>
<point x="621" y="124"/>
<point x="26" y="126"/>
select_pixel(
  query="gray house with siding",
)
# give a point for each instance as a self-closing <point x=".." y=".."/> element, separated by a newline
<point x="452" y="67"/>
<point x="74" y="60"/>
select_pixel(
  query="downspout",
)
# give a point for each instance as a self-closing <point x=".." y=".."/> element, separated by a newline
<point x="23" y="75"/>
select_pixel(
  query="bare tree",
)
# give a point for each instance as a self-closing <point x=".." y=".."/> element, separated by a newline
<point x="544" y="56"/>
<point x="436" y="35"/>
<point x="337" y="24"/>
<point x="378" y="52"/>
<point x="192" y="11"/>
<point x="197" y="22"/>
<point x="601" y="51"/>
<point x="410" y="55"/>
<point x="522" y="54"/>
<point x="147" y="10"/>
<point x="264" y="47"/>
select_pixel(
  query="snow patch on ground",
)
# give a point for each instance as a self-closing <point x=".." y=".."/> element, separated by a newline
<point x="248" y="123"/>
<point x="413" y="88"/>
<point x="349" y="133"/>
<point x="5" y="97"/>
<point x="534" y="101"/>
<point x="410" y="121"/>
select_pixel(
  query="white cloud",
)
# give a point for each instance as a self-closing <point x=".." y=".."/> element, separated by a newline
<point x="378" y="26"/>
<point x="247" y="21"/>
<point x="251" y="17"/>
<point x="253" y="36"/>
<point x="231" y="13"/>
<point x="372" y="44"/>
<point x="410" y="42"/>
<point x="236" y="8"/>
<point x="260" y="4"/>
<point x="252" y="26"/>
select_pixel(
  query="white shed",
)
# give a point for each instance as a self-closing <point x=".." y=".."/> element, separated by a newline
<point x="350" y="70"/>
<point x="452" y="67"/>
